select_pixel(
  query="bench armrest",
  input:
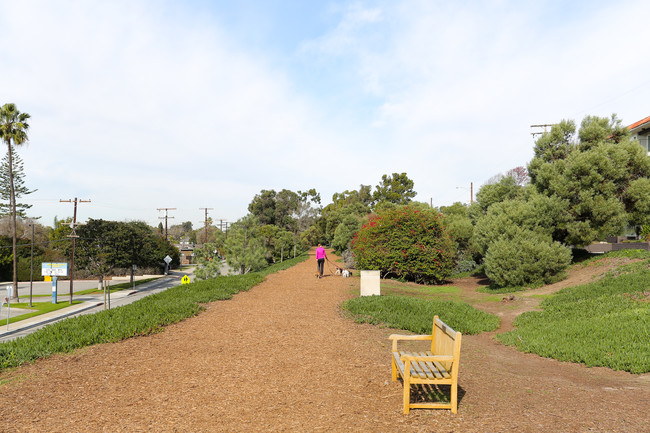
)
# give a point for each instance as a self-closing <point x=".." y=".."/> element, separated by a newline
<point x="398" y="337"/>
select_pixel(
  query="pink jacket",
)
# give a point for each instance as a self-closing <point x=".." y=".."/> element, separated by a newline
<point x="320" y="253"/>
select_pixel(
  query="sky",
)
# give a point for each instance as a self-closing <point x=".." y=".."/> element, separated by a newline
<point x="138" y="105"/>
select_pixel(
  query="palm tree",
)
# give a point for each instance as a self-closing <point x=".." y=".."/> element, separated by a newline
<point x="13" y="127"/>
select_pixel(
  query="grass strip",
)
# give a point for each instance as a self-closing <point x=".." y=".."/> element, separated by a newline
<point x="605" y="323"/>
<point x="416" y="314"/>
<point x="39" y="307"/>
<point x="145" y="316"/>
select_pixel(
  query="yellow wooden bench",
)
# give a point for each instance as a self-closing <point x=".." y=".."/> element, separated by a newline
<point x="439" y="366"/>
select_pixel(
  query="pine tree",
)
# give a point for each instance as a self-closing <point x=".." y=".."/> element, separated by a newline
<point x="20" y="189"/>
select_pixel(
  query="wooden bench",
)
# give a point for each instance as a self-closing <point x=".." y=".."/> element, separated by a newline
<point x="439" y="366"/>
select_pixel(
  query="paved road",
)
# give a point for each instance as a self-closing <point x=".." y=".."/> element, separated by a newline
<point x="91" y="303"/>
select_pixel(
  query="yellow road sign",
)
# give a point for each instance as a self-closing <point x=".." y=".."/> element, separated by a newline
<point x="185" y="280"/>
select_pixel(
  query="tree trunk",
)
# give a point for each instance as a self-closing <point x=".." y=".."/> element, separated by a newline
<point x="12" y="212"/>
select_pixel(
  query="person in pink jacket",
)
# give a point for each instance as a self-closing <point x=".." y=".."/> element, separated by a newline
<point x="320" y="259"/>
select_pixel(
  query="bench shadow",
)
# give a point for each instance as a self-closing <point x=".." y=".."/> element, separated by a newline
<point x="429" y="393"/>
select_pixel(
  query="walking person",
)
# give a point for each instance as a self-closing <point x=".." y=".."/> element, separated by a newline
<point x="320" y="259"/>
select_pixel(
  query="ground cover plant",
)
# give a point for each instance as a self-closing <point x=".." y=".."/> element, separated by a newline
<point x="148" y="315"/>
<point x="605" y="323"/>
<point x="416" y="315"/>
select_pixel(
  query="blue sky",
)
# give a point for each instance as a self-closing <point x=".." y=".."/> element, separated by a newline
<point x="139" y="105"/>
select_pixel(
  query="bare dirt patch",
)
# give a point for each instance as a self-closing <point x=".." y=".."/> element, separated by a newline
<point x="282" y="358"/>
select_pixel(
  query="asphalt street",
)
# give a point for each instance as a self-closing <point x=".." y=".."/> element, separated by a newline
<point x="91" y="303"/>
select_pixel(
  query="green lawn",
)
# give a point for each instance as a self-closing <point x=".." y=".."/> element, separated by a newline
<point x="39" y="307"/>
<point x="416" y="315"/>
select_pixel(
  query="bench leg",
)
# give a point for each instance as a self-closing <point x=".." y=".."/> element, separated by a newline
<point x="454" y="397"/>
<point x="407" y="386"/>
<point x="394" y="370"/>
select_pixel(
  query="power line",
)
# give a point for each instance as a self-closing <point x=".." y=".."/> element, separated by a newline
<point x="544" y="125"/>
<point x="166" y="209"/>
<point x="74" y="236"/>
<point x="205" y="229"/>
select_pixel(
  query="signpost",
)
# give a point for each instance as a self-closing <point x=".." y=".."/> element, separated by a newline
<point x="54" y="270"/>
<point x="10" y="293"/>
<point x="167" y="260"/>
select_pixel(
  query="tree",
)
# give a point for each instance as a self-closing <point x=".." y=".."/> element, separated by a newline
<point x="208" y="263"/>
<point x="13" y="129"/>
<point x="397" y="189"/>
<point x="20" y="189"/>
<point x="105" y="245"/>
<point x="504" y="189"/>
<point x="97" y="246"/>
<point x="600" y="175"/>
<point x="277" y="209"/>
<point x="345" y="231"/>
<point x="457" y="220"/>
<point x="520" y="175"/>
<point x="245" y="250"/>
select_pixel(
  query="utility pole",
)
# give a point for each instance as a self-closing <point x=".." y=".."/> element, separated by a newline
<point x="74" y="236"/>
<point x="31" y="267"/>
<point x="545" y="126"/>
<point x="166" y="209"/>
<point x="205" y="231"/>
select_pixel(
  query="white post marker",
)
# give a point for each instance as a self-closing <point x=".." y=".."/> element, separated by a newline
<point x="370" y="283"/>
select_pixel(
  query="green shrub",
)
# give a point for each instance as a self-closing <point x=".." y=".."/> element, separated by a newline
<point x="525" y="259"/>
<point x="407" y="243"/>
<point x="416" y="315"/>
<point x="645" y="232"/>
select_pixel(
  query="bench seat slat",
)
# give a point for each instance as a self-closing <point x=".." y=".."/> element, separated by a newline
<point x="421" y="369"/>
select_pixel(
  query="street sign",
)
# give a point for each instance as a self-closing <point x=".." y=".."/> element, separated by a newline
<point x="54" y="269"/>
<point x="167" y="259"/>
<point x="185" y="280"/>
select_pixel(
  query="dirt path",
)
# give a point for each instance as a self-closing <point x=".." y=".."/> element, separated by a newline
<point x="281" y="357"/>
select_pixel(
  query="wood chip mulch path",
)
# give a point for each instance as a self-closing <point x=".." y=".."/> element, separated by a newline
<point x="283" y="358"/>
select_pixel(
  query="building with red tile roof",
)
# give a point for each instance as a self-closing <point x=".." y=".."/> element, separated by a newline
<point x="641" y="131"/>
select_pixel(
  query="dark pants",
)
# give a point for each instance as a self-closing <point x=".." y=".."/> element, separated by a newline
<point x="321" y="266"/>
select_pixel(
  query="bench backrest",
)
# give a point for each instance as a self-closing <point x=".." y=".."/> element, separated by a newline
<point x="445" y="341"/>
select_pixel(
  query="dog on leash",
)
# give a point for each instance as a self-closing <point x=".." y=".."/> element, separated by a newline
<point x="344" y="272"/>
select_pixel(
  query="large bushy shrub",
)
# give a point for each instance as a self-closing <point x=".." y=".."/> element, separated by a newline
<point x="407" y="243"/>
<point x="526" y="258"/>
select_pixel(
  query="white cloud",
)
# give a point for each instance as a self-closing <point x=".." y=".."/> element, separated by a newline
<point x="140" y="105"/>
<point x="461" y="84"/>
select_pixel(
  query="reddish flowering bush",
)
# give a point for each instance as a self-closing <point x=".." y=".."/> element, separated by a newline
<point x="406" y="243"/>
